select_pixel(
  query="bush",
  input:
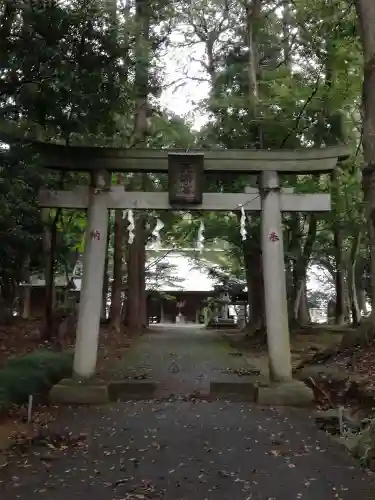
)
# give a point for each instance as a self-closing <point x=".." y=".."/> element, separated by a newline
<point x="33" y="373"/>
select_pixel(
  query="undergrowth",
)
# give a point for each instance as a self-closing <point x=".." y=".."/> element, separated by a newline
<point x="33" y="373"/>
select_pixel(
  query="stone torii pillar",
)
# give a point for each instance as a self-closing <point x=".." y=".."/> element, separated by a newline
<point x="276" y="306"/>
<point x="88" y="327"/>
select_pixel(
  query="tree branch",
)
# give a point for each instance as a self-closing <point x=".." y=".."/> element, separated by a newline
<point x="300" y="114"/>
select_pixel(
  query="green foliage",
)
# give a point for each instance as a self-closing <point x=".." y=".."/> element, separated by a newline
<point x="20" y="224"/>
<point x="33" y="374"/>
<point x="68" y="73"/>
<point x="60" y="69"/>
<point x="61" y="78"/>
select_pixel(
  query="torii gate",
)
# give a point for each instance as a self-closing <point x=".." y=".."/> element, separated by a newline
<point x="270" y="201"/>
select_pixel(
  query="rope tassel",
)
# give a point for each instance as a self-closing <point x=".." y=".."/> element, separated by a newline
<point x="156" y="233"/>
<point x="131" y="227"/>
<point x="243" y="224"/>
<point x="200" y="239"/>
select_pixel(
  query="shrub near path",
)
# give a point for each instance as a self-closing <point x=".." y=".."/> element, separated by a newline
<point x="32" y="374"/>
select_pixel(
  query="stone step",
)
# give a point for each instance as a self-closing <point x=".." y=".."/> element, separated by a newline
<point x="125" y="390"/>
<point x="234" y="391"/>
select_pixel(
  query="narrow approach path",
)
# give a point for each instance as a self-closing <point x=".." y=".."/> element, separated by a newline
<point x="181" y="359"/>
<point x="186" y="450"/>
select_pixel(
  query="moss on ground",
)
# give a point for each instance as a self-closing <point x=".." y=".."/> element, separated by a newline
<point x="33" y="373"/>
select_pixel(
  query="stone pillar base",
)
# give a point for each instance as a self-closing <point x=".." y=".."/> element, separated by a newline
<point x="234" y="391"/>
<point x="126" y="390"/>
<point x="79" y="392"/>
<point x="288" y="393"/>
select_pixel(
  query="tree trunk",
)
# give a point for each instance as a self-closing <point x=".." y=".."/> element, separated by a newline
<point x="366" y="16"/>
<point x="362" y="283"/>
<point x="338" y="245"/>
<point x="253" y="10"/>
<point x="255" y="289"/>
<point x="117" y="272"/>
<point x="141" y="78"/>
<point x="26" y="291"/>
<point x="103" y="317"/>
<point x="116" y="298"/>
<point x="298" y="306"/>
<point x="141" y="244"/>
<point x="26" y="299"/>
<point x="134" y="321"/>
<point x="124" y="314"/>
<point x="303" y="313"/>
<point x="7" y="296"/>
<point x="293" y="270"/>
<point x="301" y="264"/>
<point x="361" y="298"/>
<point x="339" y="276"/>
<point x="354" y="305"/>
<point x="124" y="308"/>
<point x="252" y="249"/>
<point x="136" y="294"/>
<point x="287" y="30"/>
<point x="347" y="299"/>
<point x="50" y="244"/>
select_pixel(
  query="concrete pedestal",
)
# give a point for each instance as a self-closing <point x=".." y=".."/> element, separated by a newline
<point x="287" y="393"/>
<point x="79" y="392"/>
<point x="234" y="391"/>
<point x="274" y="280"/>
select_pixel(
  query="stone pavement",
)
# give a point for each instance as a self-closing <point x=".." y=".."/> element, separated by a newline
<point x="187" y="450"/>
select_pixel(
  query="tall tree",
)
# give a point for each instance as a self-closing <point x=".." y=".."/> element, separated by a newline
<point x="136" y="293"/>
<point x="366" y="17"/>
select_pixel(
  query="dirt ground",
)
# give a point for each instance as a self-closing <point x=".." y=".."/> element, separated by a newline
<point x="23" y="336"/>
